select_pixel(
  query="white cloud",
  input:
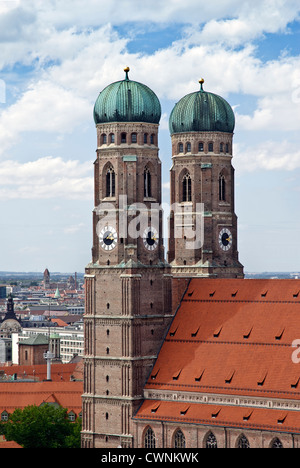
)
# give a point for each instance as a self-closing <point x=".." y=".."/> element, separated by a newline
<point x="99" y="12"/>
<point x="46" y="178"/>
<point x="45" y="106"/>
<point x="249" y="21"/>
<point x="73" y="64"/>
<point x="269" y="156"/>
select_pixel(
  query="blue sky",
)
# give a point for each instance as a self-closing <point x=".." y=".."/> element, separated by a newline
<point x="56" y="56"/>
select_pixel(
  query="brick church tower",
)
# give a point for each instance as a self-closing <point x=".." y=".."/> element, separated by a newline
<point x="128" y="284"/>
<point x="203" y="224"/>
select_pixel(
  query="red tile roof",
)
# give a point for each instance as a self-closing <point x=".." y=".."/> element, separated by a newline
<point x="21" y="394"/>
<point x="220" y="415"/>
<point x="59" y="372"/>
<point x="9" y="444"/>
<point x="233" y="336"/>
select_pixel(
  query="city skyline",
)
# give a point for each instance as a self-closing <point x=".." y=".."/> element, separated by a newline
<point x="57" y="58"/>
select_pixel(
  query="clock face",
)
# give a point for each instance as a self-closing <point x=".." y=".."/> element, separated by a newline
<point x="225" y="239"/>
<point x="108" y="238"/>
<point x="150" y="238"/>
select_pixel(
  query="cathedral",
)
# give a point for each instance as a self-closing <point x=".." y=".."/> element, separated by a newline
<point x="180" y="350"/>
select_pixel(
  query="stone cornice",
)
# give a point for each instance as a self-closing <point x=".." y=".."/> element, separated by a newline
<point x="223" y="399"/>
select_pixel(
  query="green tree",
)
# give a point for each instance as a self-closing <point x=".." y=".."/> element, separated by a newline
<point x="44" y="426"/>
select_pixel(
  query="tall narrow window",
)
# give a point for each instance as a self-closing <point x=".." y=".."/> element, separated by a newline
<point x="210" y="147"/>
<point x="123" y="137"/>
<point x="243" y="442"/>
<point x="201" y="147"/>
<point x="147" y="183"/>
<point x="187" y="188"/>
<point x="110" y="182"/>
<point x="149" y="439"/>
<point x="133" y="138"/>
<point x="211" y="441"/>
<point x="179" y="439"/>
<point x="222" y="188"/>
<point x="188" y="147"/>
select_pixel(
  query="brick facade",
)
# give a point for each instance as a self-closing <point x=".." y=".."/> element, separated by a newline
<point x="206" y="158"/>
<point x="128" y="287"/>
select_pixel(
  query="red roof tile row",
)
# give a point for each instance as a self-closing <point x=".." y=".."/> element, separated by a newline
<point x="59" y="372"/>
<point x="214" y="415"/>
<point x="232" y="336"/>
<point x="21" y="394"/>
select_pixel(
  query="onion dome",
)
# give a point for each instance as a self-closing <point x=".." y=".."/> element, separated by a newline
<point x="10" y="323"/>
<point x="202" y="112"/>
<point x="127" y="101"/>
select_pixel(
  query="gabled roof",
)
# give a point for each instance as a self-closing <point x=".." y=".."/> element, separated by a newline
<point x="19" y="395"/>
<point x="9" y="444"/>
<point x="232" y="337"/>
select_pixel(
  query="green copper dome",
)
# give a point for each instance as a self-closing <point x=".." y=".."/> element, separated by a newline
<point x="127" y="101"/>
<point x="202" y="112"/>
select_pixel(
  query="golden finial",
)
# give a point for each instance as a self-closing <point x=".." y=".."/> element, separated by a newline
<point x="201" y="83"/>
<point x="126" y="70"/>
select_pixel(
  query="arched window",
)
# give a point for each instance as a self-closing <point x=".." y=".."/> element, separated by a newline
<point x="211" y="441"/>
<point x="145" y="138"/>
<point x="179" y="439"/>
<point x="210" y="147"/>
<point x="187" y="188"/>
<point x="103" y="139"/>
<point x="222" y="188"/>
<point x="188" y="147"/>
<point x="180" y="148"/>
<point x="149" y="438"/>
<point x="123" y="137"/>
<point x="221" y="147"/>
<point x="152" y="139"/>
<point x="110" y="182"/>
<point x="201" y="147"/>
<point x="243" y="442"/>
<point x="133" y="138"/>
<point x="227" y="148"/>
<point x="147" y="183"/>
<point x="111" y="138"/>
<point x="276" y="443"/>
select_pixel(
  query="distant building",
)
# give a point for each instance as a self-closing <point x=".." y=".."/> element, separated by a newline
<point x="10" y="324"/>
<point x="31" y="351"/>
<point x="2" y="292"/>
<point x="15" y="395"/>
<point x="46" y="279"/>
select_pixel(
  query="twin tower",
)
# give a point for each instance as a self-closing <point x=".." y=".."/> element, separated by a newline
<point x="132" y="289"/>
